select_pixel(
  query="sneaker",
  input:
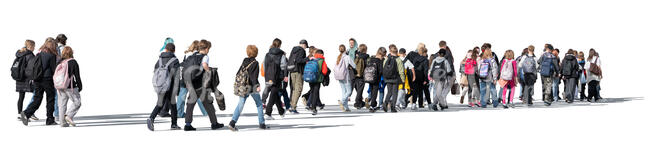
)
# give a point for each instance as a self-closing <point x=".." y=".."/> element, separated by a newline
<point x="462" y="98"/>
<point x="367" y="103"/>
<point x="269" y="117"/>
<point x="372" y="109"/>
<point x="347" y="110"/>
<point x="150" y="124"/>
<point x="175" y="127"/>
<point x="64" y="125"/>
<point x="282" y="116"/>
<point x="23" y="118"/>
<point x="233" y="128"/>
<point x="314" y="112"/>
<point x="304" y="101"/>
<point x="189" y="128"/>
<point x="414" y="107"/>
<point x="547" y="103"/>
<point x="293" y="111"/>
<point x="69" y="120"/>
<point x="52" y="123"/>
<point x="434" y="107"/>
<point x="322" y="107"/>
<point x="34" y="118"/>
<point x="505" y="106"/>
<point x="216" y="126"/>
<point x="341" y="105"/>
<point x="264" y="127"/>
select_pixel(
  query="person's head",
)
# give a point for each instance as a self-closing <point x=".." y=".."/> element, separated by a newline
<point x="472" y="54"/>
<point x="319" y="51"/>
<point x="487" y="53"/>
<point x="276" y="43"/>
<point x="509" y="54"/>
<point x="392" y="48"/>
<point x="581" y="55"/>
<point x="67" y="53"/>
<point x="170" y="47"/>
<point x="352" y="42"/>
<point x="363" y="48"/>
<point x="442" y="44"/>
<point x="303" y="43"/>
<point x="312" y="49"/>
<point x="424" y="52"/>
<point x="486" y="47"/>
<point x="61" y="38"/>
<point x="524" y="51"/>
<point x="548" y="48"/>
<point x="251" y="51"/>
<point x="570" y="52"/>
<point x="420" y="46"/>
<point x="342" y="48"/>
<point x="592" y="53"/>
<point x="402" y="52"/>
<point x="381" y="51"/>
<point x="49" y="46"/>
<point x="441" y="52"/>
<point x="556" y="52"/>
<point x="167" y="40"/>
<point x="29" y="45"/>
<point x="204" y="46"/>
<point x="194" y="46"/>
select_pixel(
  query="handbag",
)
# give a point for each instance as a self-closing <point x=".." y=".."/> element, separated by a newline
<point x="463" y="80"/>
<point x="594" y="68"/>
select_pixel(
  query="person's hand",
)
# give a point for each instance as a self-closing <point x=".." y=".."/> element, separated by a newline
<point x="286" y="79"/>
<point x="258" y="89"/>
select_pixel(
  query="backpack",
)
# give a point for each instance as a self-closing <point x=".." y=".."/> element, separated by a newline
<point x="34" y="68"/>
<point x="291" y="65"/>
<point x="469" y="66"/>
<point x="547" y="65"/>
<point x="194" y="60"/>
<point x="311" y="74"/>
<point x="241" y="85"/>
<point x="438" y="71"/>
<point x="507" y="70"/>
<point x="341" y="71"/>
<point x="370" y="73"/>
<point x="390" y="69"/>
<point x="61" y="78"/>
<point x="567" y="68"/>
<point x="484" y="70"/>
<point x="18" y="69"/>
<point x="360" y="66"/>
<point x="528" y="65"/>
<point x="162" y="78"/>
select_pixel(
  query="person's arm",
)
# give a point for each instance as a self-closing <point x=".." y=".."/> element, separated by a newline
<point x="176" y="77"/>
<point x="77" y="75"/>
<point x="301" y="57"/>
<point x="400" y="68"/>
<point x="254" y="72"/>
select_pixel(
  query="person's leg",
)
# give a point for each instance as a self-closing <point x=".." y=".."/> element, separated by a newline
<point x="238" y="109"/>
<point x="483" y="86"/>
<point x="209" y="107"/>
<point x="393" y="99"/>
<point x="278" y="102"/>
<point x="165" y="109"/>
<point x="265" y="94"/>
<point x="568" y="92"/>
<point x="493" y="93"/>
<point x="64" y="95"/>
<point x="502" y="94"/>
<point x="374" y="88"/>
<point x="439" y="89"/>
<point x="50" y="91"/>
<point x="359" y="85"/>
<point x="317" y="96"/>
<point x="427" y="93"/>
<point x="192" y="97"/>
<point x="180" y="102"/>
<point x="380" y="96"/>
<point x="548" y="88"/>
<point x="258" y="106"/>
<point x="400" y="97"/>
<point x="417" y="95"/>
<point x="296" y="89"/>
<point x="285" y="99"/>
<point x="21" y="97"/>
<point x="75" y="97"/>
<point x="56" y="104"/>
<point x="201" y="107"/>
<point x="512" y="94"/>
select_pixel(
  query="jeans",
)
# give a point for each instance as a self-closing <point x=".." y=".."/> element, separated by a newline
<point x="180" y="104"/>
<point x="346" y="92"/>
<point x="258" y="105"/>
<point x="285" y="98"/>
<point x="556" y="88"/>
<point x="485" y="95"/>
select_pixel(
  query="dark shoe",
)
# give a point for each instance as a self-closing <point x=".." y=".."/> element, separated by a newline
<point x="547" y="103"/>
<point x="393" y="110"/>
<point x="322" y="107"/>
<point x="51" y="123"/>
<point x="232" y="128"/>
<point x="434" y="107"/>
<point x="462" y="98"/>
<point x="189" y="128"/>
<point x="175" y="127"/>
<point x="24" y="118"/>
<point x="264" y="126"/>
<point x="150" y="124"/>
<point x="314" y="112"/>
<point x="216" y="126"/>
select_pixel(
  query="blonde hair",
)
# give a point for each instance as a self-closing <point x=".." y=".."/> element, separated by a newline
<point x="29" y="45"/>
<point x="486" y="54"/>
<point x="194" y="46"/>
<point x="509" y="54"/>
<point x="251" y="51"/>
<point x="67" y="53"/>
<point x="49" y="46"/>
<point x="421" y="46"/>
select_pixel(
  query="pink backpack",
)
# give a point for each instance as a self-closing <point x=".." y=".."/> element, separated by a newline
<point x="61" y="78"/>
<point x="469" y="66"/>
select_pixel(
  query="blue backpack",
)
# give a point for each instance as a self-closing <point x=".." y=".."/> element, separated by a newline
<point x="311" y="74"/>
<point x="484" y="69"/>
<point x="547" y="65"/>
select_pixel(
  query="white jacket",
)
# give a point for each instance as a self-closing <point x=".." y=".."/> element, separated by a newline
<point x="591" y="76"/>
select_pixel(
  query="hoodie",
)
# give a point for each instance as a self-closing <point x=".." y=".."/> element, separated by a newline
<point x="49" y="65"/>
<point x="174" y="68"/>
<point x="23" y="85"/>
<point x="571" y="62"/>
<point x="272" y="70"/>
<point x="253" y="71"/>
<point x="298" y="56"/>
<point x="448" y="66"/>
<point x="352" y="52"/>
<point x="323" y="67"/>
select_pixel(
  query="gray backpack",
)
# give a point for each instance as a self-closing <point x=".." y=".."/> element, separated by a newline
<point x="507" y="71"/>
<point x="162" y="78"/>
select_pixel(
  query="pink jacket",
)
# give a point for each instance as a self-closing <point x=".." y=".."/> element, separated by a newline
<point x="514" y="68"/>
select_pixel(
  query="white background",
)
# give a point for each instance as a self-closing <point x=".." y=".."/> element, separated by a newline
<point x="117" y="43"/>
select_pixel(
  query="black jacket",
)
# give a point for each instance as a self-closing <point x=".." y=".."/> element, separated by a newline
<point x="253" y="71"/>
<point x="450" y="58"/>
<point x="73" y="70"/>
<point x="24" y="85"/>
<point x="299" y="57"/>
<point x="421" y="65"/>
<point x="272" y="66"/>
<point x="174" y="67"/>
<point x="570" y="61"/>
<point x="49" y="65"/>
<point x="379" y="63"/>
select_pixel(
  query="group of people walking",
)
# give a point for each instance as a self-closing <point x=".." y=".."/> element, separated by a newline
<point x="396" y="79"/>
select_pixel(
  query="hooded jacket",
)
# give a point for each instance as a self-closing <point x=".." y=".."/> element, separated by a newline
<point x="49" y="65"/>
<point x="448" y="66"/>
<point x="272" y="70"/>
<point x="174" y="69"/>
<point x="253" y="71"/>
<point x="570" y="61"/>
<point x="555" y="62"/>
<point x="299" y="57"/>
<point x="23" y="85"/>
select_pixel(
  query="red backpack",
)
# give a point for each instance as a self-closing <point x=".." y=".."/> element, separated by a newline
<point x="469" y="66"/>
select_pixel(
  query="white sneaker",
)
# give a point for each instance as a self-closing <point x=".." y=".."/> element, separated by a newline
<point x="281" y="117"/>
<point x="69" y="120"/>
<point x="268" y="117"/>
<point x="414" y="107"/>
<point x="34" y="118"/>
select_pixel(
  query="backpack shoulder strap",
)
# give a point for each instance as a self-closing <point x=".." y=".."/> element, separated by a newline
<point x="249" y="64"/>
<point x="169" y="62"/>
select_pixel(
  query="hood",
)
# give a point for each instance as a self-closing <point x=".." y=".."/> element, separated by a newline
<point x="276" y="51"/>
<point x="319" y="56"/>
<point x="363" y="55"/>
<point x="21" y="54"/>
<point x="167" y="55"/>
<point x="570" y="57"/>
<point x="439" y="59"/>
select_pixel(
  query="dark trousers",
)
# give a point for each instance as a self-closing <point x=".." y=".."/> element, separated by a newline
<point x="374" y="88"/>
<point x="47" y="87"/>
<point x="165" y="99"/>
<point x="418" y="93"/>
<point x="274" y="100"/>
<point x="21" y="98"/>
<point x="583" y="87"/>
<point x="314" y="95"/>
<point x="570" y="89"/>
<point x="427" y="93"/>
<point x="593" y="91"/>
<point x="358" y="84"/>
<point x="207" y="104"/>
<point x="391" y="95"/>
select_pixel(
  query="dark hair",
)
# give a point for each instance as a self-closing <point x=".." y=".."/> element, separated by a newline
<point x="382" y="50"/>
<point x="61" y="38"/>
<point x="549" y="47"/>
<point x="352" y="39"/>
<point x="170" y="47"/>
<point x="276" y="43"/>
<point x="319" y="51"/>
<point x="402" y="51"/>
<point x="486" y="46"/>
<point x="363" y="48"/>
<point x="442" y="43"/>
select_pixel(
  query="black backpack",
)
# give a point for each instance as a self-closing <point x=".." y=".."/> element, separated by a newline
<point x="438" y="71"/>
<point x="194" y="60"/>
<point x="567" y="67"/>
<point x="390" y="68"/>
<point x="370" y="73"/>
<point x="18" y="68"/>
<point x="34" y="68"/>
<point x="291" y="63"/>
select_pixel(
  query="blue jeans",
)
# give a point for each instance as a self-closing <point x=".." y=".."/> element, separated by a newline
<point x="180" y="103"/>
<point x="346" y="92"/>
<point x="485" y="96"/>
<point x="432" y="88"/>
<point x="258" y="104"/>
<point x="287" y="102"/>
<point x="56" y="102"/>
<point x="556" y="86"/>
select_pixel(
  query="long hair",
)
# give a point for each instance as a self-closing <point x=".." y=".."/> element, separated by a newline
<point x="341" y="50"/>
<point x="194" y="46"/>
<point x="276" y="43"/>
<point x="49" y="47"/>
<point x="592" y="53"/>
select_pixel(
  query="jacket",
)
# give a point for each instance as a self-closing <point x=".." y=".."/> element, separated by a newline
<point x="571" y="61"/>
<point x="448" y="66"/>
<point x="514" y="69"/>
<point x="24" y="85"/>
<point x="272" y="70"/>
<point x="591" y="76"/>
<point x="493" y="71"/>
<point x="299" y="57"/>
<point x="174" y="70"/>
<point x="555" y="62"/>
<point x="400" y="68"/>
<point x="253" y="71"/>
<point x="73" y="70"/>
<point x="49" y="66"/>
